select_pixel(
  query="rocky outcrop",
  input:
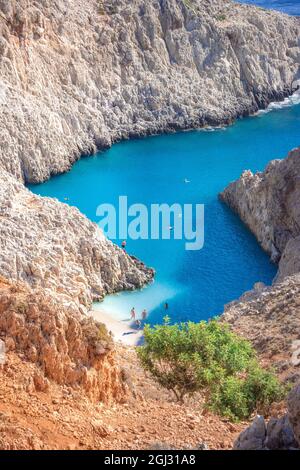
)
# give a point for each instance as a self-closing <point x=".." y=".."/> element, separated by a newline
<point x="69" y="349"/>
<point x="290" y="259"/>
<point x="75" y="77"/>
<point x="269" y="204"/>
<point x="52" y="246"/>
<point x="270" y="318"/>
<point x="278" y="434"/>
<point x="79" y="75"/>
<point x="294" y="411"/>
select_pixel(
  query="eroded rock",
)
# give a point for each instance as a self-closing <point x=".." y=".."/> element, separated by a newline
<point x="50" y="245"/>
<point x="69" y="348"/>
<point x="294" y="411"/>
<point x="253" y="438"/>
<point x="269" y="204"/>
<point x="78" y="75"/>
<point x="278" y="434"/>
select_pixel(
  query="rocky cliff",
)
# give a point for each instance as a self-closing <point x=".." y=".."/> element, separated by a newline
<point x="66" y="347"/>
<point x="278" y="433"/>
<point x="78" y="75"/>
<point x="269" y="317"/>
<point x="50" y="245"/>
<point x="65" y="385"/>
<point x="269" y="204"/>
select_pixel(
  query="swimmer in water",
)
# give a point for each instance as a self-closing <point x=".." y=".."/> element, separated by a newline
<point x="144" y="314"/>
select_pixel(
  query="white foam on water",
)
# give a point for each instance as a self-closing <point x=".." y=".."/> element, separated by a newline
<point x="286" y="103"/>
<point x="292" y="100"/>
<point x="212" y="129"/>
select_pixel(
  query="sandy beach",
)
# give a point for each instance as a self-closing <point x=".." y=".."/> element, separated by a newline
<point x="123" y="331"/>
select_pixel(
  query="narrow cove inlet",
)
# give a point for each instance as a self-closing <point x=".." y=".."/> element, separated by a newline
<point x="185" y="168"/>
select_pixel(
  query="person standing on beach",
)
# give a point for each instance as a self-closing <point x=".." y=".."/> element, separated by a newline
<point x="132" y="313"/>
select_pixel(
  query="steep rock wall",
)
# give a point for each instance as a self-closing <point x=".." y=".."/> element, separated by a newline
<point x="269" y="204"/>
<point x="78" y="75"/>
<point x="50" y="245"/>
<point x="68" y="348"/>
<point x="269" y="317"/>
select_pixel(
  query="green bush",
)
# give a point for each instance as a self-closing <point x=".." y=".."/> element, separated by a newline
<point x="262" y="388"/>
<point x="221" y="17"/>
<point x="228" y="398"/>
<point x="238" y="398"/>
<point x="190" y="357"/>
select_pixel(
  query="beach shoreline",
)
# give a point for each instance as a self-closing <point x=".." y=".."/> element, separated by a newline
<point x="123" y="331"/>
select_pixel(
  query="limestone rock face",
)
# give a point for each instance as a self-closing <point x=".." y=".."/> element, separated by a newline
<point x="290" y="259"/>
<point x="294" y="411"/>
<point x="50" y="245"/>
<point x="69" y="348"/>
<point x="269" y="204"/>
<point x="278" y="434"/>
<point x="253" y="437"/>
<point x="270" y="318"/>
<point x="78" y="75"/>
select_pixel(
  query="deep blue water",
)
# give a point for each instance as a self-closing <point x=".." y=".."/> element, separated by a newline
<point x="196" y="284"/>
<point x="292" y="7"/>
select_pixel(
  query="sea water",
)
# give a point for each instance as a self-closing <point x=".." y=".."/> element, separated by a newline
<point x="292" y="7"/>
<point x="195" y="284"/>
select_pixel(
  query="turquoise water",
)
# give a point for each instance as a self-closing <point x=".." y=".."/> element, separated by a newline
<point x="292" y="7"/>
<point x="196" y="284"/>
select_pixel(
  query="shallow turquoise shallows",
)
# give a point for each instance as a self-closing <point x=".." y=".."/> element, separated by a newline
<point x="153" y="170"/>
